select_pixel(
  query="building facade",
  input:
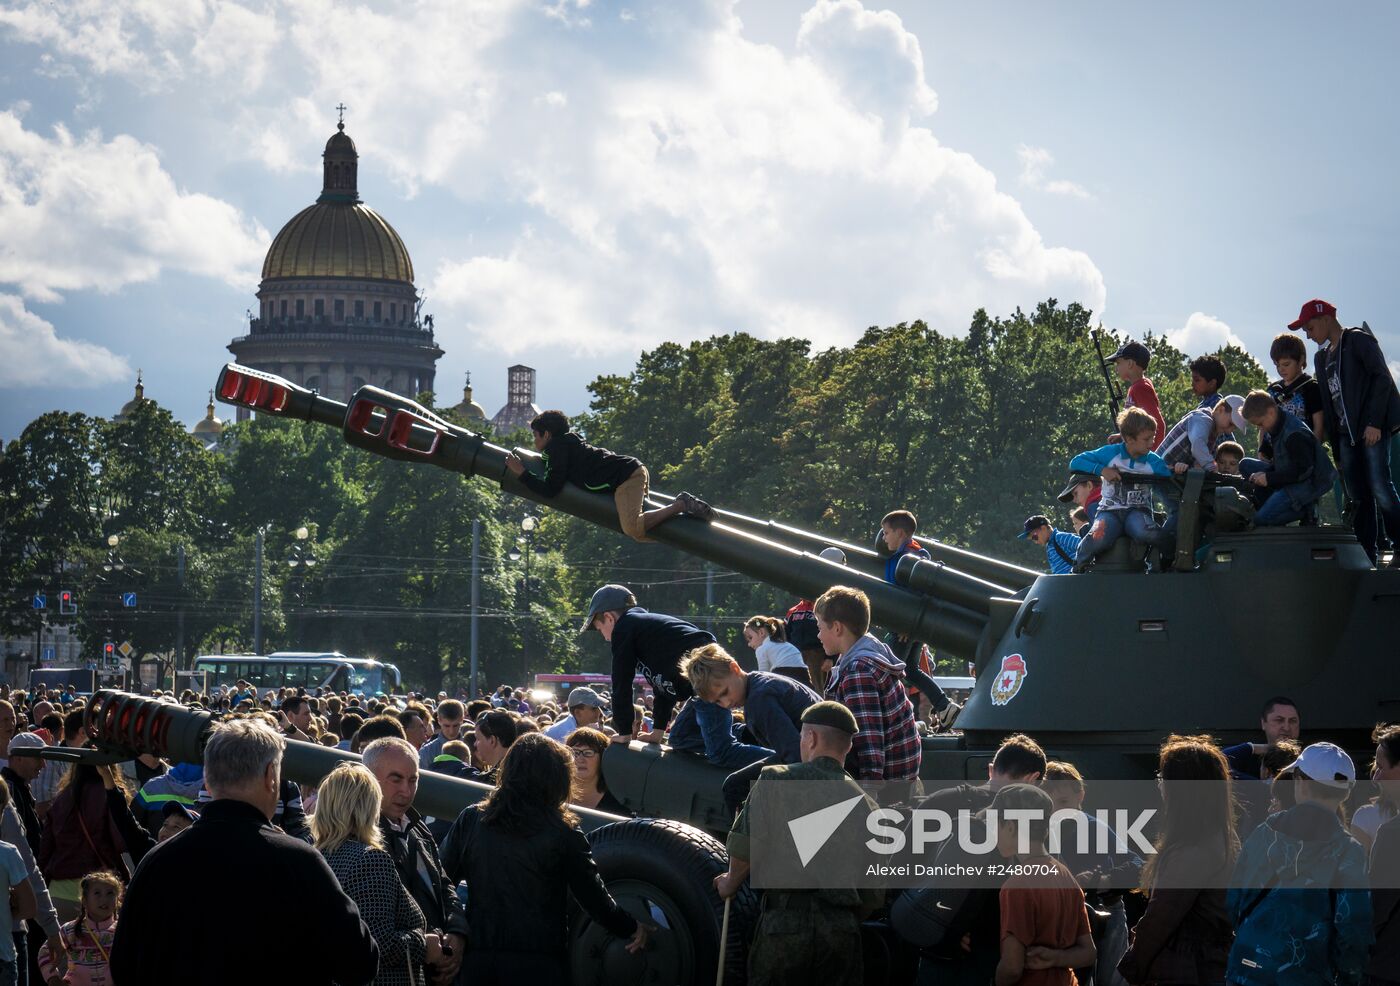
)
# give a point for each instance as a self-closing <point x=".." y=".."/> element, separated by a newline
<point x="337" y="306"/>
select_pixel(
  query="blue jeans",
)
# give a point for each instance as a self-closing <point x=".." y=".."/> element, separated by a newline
<point x="704" y="727"/>
<point x="1276" y="509"/>
<point x="1366" y="471"/>
<point x="1136" y="524"/>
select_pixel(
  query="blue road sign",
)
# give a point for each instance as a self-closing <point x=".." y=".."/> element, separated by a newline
<point x="41" y="601"/>
<point x="129" y="600"/>
<point x="48" y="653"/>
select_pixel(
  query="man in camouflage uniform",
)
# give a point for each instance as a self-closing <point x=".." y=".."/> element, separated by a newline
<point x="810" y="935"/>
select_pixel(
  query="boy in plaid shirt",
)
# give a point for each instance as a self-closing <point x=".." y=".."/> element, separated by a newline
<point x="869" y="680"/>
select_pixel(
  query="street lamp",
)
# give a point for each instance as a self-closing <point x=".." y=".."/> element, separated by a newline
<point x="525" y="547"/>
<point x="301" y="560"/>
<point x="114" y="560"/>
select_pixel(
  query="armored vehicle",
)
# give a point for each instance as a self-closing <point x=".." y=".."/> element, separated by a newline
<point x="1099" y="668"/>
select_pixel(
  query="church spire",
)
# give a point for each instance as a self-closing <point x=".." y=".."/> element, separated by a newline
<point x="340" y="166"/>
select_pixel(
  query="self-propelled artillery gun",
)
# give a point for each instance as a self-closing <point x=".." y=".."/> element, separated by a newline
<point x="1099" y="668"/>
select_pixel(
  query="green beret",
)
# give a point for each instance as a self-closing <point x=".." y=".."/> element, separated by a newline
<point x="832" y="714"/>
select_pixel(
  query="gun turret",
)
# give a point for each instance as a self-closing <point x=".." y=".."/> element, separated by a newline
<point x="394" y="426"/>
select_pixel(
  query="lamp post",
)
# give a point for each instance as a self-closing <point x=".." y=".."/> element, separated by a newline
<point x="525" y="545"/>
<point x="301" y="559"/>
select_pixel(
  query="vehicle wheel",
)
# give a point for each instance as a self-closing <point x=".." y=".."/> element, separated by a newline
<point x="662" y="873"/>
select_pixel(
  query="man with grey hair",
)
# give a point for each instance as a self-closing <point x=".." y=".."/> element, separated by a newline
<point x="168" y="934"/>
<point x="394" y="764"/>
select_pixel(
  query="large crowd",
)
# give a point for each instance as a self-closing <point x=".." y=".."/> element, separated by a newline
<point x="226" y="871"/>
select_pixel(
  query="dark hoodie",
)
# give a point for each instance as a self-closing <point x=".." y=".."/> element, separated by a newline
<point x="1300" y="879"/>
<point x="569" y="459"/>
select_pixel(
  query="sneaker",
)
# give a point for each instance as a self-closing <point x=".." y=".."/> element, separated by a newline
<point x="695" y="507"/>
<point x="943" y="721"/>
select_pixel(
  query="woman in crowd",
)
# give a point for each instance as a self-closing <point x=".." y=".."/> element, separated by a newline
<point x="768" y="638"/>
<point x="90" y="825"/>
<point x="1385" y="771"/>
<point x="521" y="854"/>
<point x="346" y="827"/>
<point x="589" y="789"/>
<point x="1184" y="936"/>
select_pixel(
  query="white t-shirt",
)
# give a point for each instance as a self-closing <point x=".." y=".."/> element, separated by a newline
<point x="15" y="873"/>
<point x="772" y="654"/>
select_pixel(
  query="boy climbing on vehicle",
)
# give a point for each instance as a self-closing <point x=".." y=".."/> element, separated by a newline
<point x="897" y="529"/>
<point x="1130" y="363"/>
<point x="567" y="458"/>
<point x="869" y="680"/>
<point x="1301" y="471"/>
<point x="1123" y="509"/>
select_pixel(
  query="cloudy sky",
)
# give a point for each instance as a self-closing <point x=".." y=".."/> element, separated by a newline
<point x="577" y="181"/>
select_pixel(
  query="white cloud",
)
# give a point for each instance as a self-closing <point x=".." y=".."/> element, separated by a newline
<point x="691" y="180"/>
<point x="84" y="212"/>
<point x="1203" y="333"/>
<point x="1035" y="161"/>
<point x="33" y="355"/>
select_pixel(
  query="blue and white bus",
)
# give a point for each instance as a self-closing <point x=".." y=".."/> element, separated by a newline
<point x="310" y="670"/>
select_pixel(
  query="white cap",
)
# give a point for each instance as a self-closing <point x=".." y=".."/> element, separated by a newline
<point x="835" y="554"/>
<point x="1236" y="403"/>
<point x="1326" y="764"/>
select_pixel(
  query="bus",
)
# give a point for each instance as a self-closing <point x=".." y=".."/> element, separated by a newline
<point x="310" y="670"/>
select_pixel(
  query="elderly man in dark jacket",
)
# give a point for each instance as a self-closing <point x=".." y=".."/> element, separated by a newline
<point x="394" y="764"/>
<point x="280" y="896"/>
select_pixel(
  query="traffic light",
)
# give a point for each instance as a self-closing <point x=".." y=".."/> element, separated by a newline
<point x="109" y="653"/>
<point x="67" y="605"/>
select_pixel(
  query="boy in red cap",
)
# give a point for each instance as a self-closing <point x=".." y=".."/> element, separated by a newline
<point x="1360" y="412"/>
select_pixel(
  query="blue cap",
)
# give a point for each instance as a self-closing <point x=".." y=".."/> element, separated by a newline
<point x="1039" y="520"/>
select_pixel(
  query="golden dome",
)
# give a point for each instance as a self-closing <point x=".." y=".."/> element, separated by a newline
<point x="338" y="239"/>
<point x="129" y="408"/>
<point x="210" y="426"/>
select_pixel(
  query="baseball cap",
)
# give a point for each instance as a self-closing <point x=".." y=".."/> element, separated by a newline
<point x="1312" y="310"/>
<point x="1134" y="351"/>
<point x="22" y="740"/>
<point x="583" y="695"/>
<point x="609" y="597"/>
<point x="1075" y="478"/>
<point x="1039" y="520"/>
<point x="835" y="554"/>
<point x="1236" y="404"/>
<point x="1327" y="764"/>
<point x="176" y="808"/>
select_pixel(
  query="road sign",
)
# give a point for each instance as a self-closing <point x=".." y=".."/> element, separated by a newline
<point x="91" y="665"/>
<point x="129" y="600"/>
<point x="126" y="650"/>
<point x="41" y="601"/>
<point x="48" y="653"/>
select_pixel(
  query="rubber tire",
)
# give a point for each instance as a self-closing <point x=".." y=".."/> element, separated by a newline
<point x="681" y="862"/>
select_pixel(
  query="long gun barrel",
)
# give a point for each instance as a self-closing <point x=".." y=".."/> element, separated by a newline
<point x="124" y="725"/>
<point x="1115" y="394"/>
<point x="1001" y="575"/>
<point x="394" y="426"/>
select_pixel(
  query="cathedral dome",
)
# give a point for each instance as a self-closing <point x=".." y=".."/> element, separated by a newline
<point x="209" y="428"/>
<point x="338" y="239"/>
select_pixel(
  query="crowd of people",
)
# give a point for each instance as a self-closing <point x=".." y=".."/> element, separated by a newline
<point x="1350" y="408"/>
<point x="344" y="881"/>
<point x="98" y="896"/>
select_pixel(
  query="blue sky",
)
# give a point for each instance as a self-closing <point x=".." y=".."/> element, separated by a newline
<point x="578" y="181"/>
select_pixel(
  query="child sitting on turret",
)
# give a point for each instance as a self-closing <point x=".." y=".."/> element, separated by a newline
<point x="1227" y="458"/>
<point x="1123" y="509"/>
<point x="567" y="458"/>
<point x="1301" y="471"/>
